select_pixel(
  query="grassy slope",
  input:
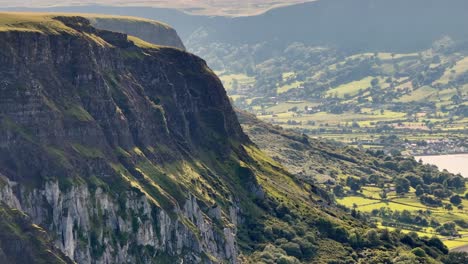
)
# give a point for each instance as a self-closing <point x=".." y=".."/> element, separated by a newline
<point x="318" y="161"/>
<point x="44" y="22"/>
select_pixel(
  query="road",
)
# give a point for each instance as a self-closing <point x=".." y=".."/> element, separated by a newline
<point x="461" y="249"/>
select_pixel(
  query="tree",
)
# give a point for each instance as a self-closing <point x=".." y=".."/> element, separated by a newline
<point x="338" y="190"/>
<point x="402" y="185"/>
<point x="457" y="182"/>
<point x="353" y="183"/>
<point x="455" y="258"/>
<point x="372" y="237"/>
<point x="439" y="193"/>
<point x="419" y="190"/>
<point x="419" y="252"/>
<point x="456" y="199"/>
<point x="383" y="194"/>
<point x="292" y="249"/>
<point x="448" y="207"/>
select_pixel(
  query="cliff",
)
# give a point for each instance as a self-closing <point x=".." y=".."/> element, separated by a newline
<point x="147" y="30"/>
<point x="102" y="141"/>
<point x="129" y="152"/>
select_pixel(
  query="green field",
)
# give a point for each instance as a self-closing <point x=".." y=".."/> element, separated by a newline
<point x="369" y="200"/>
<point x="351" y="89"/>
<point x="230" y="79"/>
<point x="288" y="87"/>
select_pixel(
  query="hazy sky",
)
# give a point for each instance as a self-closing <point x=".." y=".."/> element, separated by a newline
<point x="211" y="7"/>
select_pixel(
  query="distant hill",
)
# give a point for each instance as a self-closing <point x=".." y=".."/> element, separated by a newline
<point x="354" y="25"/>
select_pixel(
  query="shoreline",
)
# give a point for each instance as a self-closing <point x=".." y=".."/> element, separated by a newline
<point x="444" y="154"/>
<point x="454" y="163"/>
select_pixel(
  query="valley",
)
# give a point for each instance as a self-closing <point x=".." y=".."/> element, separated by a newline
<point x="287" y="144"/>
<point x="402" y="102"/>
<point x="372" y="192"/>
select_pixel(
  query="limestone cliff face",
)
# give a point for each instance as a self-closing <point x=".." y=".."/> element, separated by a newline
<point x="24" y="242"/>
<point x="90" y="226"/>
<point x="105" y="143"/>
<point x="150" y="31"/>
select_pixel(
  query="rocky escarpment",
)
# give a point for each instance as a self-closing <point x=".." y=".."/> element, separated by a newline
<point x="103" y="144"/>
<point x="148" y="30"/>
<point x="128" y="152"/>
<point x="21" y="241"/>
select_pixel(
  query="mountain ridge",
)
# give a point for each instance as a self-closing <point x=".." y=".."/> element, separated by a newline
<point x="124" y="150"/>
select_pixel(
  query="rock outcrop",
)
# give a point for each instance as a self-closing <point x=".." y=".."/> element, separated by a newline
<point x="100" y="144"/>
<point x="147" y="30"/>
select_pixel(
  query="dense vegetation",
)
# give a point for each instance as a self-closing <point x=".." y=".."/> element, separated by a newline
<point x="392" y="192"/>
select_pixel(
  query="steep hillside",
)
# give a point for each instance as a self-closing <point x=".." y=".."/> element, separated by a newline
<point x="21" y="241"/>
<point x="125" y="151"/>
<point x="106" y="142"/>
<point x="390" y="191"/>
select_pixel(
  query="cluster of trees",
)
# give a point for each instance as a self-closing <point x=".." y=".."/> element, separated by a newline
<point x="431" y="185"/>
<point x="420" y="217"/>
<point x="447" y="229"/>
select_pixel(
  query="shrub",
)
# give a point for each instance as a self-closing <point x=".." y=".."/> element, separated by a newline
<point x="437" y="243"/>
<point x="372" y="237"/>
<point x="419" y="252"/>
<point x="456" y="199"/>
<point x="292" y="249"/>
<point x="455" y="258"/>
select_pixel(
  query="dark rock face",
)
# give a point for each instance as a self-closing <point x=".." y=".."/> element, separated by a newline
<point x="63" y="87"/>
<point x="88" y="123"/>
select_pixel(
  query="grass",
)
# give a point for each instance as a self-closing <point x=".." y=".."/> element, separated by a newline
<point x="451" y="244"/>
<point x="142" y="44"/>
<point x="46" y="24"/>
<point x="388" y="56"/>
<point x="419" y="94"/>
<point x="88" y="152"/>
<point x="32" y="22"/>
<point x="288" y="87"/>
<point x="129" y="19"/>
<point x="287" y="75"/>
<point x="460" y="67"/>
<point x="371" y="200"/>
<point x="330" y="119"/>
<point x="351" y="88"/>
<point x="285" y="106"/>
<point x="242" y="80"/>
<point x="79" y="113"/>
